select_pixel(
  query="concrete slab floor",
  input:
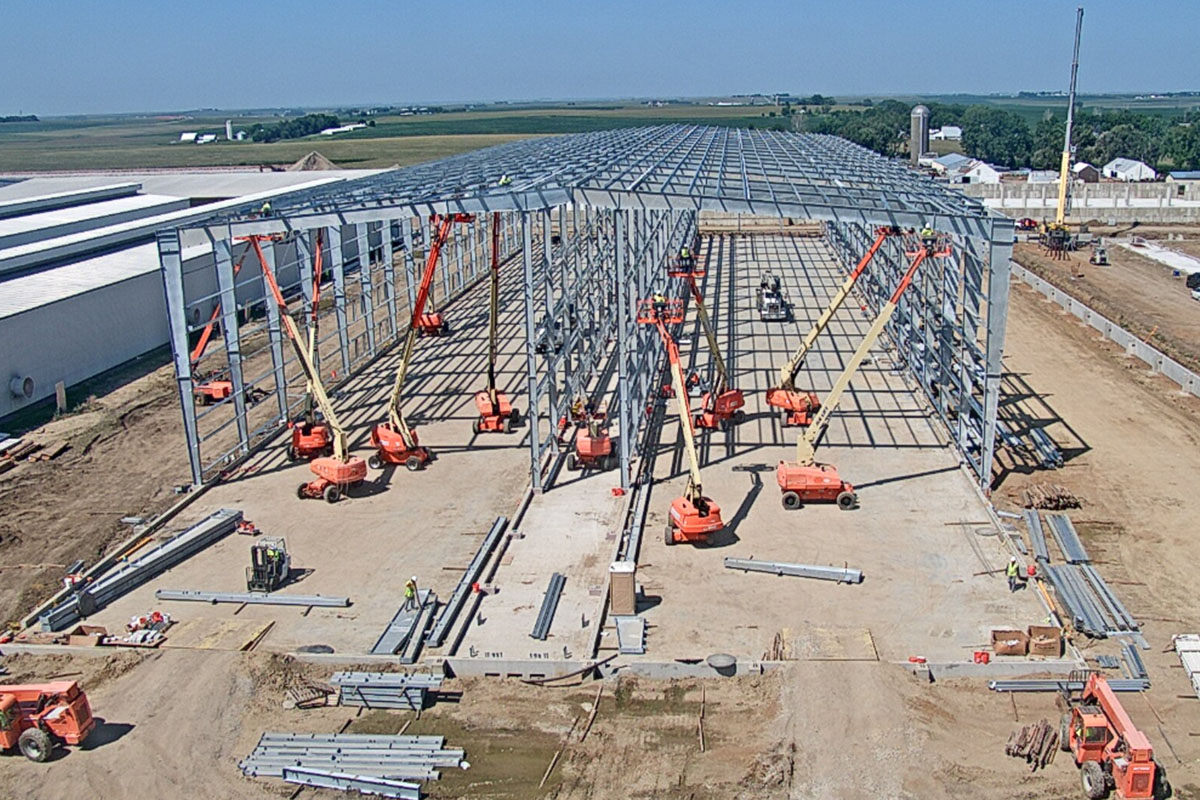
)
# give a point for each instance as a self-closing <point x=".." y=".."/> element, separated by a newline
<point x="400" y="523"/>
<point x="919" y="536"/>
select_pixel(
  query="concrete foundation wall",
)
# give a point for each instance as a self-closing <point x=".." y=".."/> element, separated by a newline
<point x="1174" y="201"/>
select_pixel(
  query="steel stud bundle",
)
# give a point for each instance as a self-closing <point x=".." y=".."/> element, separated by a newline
<point x="351" y="754"/>
<point x="137" y="571"/>
<point x="385" y="689"/>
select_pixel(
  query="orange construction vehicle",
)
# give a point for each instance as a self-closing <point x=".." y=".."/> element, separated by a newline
<point x="341" y="471"/>
<point x="805" y="480"/>
<point x="496" y="413"/>
<point x="215" y="389"/>
<point x="394" y="441"/>
<point x="593" y="446"/>
<point x="721" y="405"/>
<point x="310" y="436"/>
<point x="1110" y="751"/>
<point x="797" y="407"/>
<point x="694" y="517"/>
<point x="37" y="717"/>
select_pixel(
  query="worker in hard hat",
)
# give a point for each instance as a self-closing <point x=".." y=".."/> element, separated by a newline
<point x="505" y="180"/>
<point x="685" y="257"/>
<point x="928" y="237"/>
<point x="577" y="408"/>
<point x="410" y="595"/>
<point x="1013" y="571"/>
<point x="265" y="209"/>
<point x="660" y="305"/>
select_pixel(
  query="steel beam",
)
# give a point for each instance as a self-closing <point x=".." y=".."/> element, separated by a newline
<point x="251" y="598"/>
<point x="839" y="574"/>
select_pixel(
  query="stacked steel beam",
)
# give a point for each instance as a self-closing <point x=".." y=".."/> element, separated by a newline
<point x="412" y="758"/>
<point x="1068" y="540"/>
<point x="136" y="571"/>
<point x="385" y="689"/>
<point x="1092" y="607"/>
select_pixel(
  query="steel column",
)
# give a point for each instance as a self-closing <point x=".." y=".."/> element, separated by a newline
<point x="275" y="335"/>
<point x="170" y="258"/>
<point x="231" y="337"/>
<point x="339" y="295"/>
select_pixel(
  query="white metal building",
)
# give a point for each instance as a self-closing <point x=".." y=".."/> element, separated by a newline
<point x="1128" y="169"/>
<point x="80" y="289"/>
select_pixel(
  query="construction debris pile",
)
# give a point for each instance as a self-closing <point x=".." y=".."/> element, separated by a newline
<point x="1049" y="497"/>
<point x="385" y="689"/>
<point x="1035" y="743"/>
<point x="353" y="755"/>
<point x="15" y="450"/>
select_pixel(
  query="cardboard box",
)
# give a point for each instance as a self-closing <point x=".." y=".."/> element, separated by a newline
<point x="1045" y="640"/>
<point x="1010" y="643"/>
<point x="86" y="635"/>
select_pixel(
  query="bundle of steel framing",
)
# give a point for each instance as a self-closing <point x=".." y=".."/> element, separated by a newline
<point x="1091" y="606"/>
<point x="1052" y="685"/>
<point x="1068" y="540"/>
<point x="353" y="754"/>
<point x="385" y="689"/>
<point x="136" y="571"/>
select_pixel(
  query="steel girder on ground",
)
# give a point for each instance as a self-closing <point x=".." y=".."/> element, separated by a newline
<point x="597" y="216"/>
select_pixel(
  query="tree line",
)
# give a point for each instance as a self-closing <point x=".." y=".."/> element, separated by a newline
<point x="293" y="128"/>
<point x="1003" y="137"/>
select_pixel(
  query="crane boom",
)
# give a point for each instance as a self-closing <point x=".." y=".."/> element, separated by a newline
<point x="206" y="334"/>
<point x="395" y="413"/>
<point x="787" y="373"/>
<point x="302" y="354"/>
<point x="1060" y="215"/>
<point x="806" y="443"/>
<point x="660" y="315"/>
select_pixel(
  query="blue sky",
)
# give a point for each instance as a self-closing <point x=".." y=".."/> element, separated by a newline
<point x="90" y="56"/>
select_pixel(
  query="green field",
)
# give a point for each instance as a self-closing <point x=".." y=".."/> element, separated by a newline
<point x="130" y="142"/>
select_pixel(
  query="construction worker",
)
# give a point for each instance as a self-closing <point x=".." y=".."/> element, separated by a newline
<point x="660" y="305"/>
<point x="685" y="257"/>
<point x="577" y="408"/>
<point x="928" y="237"/>
<point x="410" y="595"/>
<point x="505" y="180"/>
<point x="265" y="209"/>
<point x="1012" y="571"/>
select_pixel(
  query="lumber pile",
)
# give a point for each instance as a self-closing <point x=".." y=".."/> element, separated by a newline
<point x="1049" y="497"/>
<point x="1035" y="743"/>
<point x="15" y="450"/>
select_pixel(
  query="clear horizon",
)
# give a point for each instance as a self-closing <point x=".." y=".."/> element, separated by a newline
<point x="140" y="57"/>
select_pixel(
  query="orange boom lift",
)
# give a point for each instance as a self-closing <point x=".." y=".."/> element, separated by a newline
<point x="310" y="437"/>
<point x="721" y="405"/>
<point x="694" y="517"/>
<point x="395" y="442"/>
<point x="798" y="407"/>
<point x="805" y="480"/>
<point x="341" y="471"/>
<point x="496" y="413"/>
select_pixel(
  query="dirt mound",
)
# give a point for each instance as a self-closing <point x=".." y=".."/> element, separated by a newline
<point x="312" y="161"/>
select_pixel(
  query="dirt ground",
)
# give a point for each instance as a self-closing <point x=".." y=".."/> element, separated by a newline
<point x="786" y="734"/>
<point x="1136" y="292"/>
<point x="1131" y="442"/>
<point x="126" y="453"/>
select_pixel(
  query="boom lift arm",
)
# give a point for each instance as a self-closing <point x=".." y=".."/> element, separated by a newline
<point x="496" y="413"/>
<point x="721" y="403"/>
<point x="805" y="480"/>
<point x="333" y="474"/>
<point x="302" y="355"/>
<point x="787" y="373"/>
<point x="395" y="412"/>
<point x="694" y="517"/>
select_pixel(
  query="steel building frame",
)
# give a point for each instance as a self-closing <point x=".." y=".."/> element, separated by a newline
<point x="594" y="218"/>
